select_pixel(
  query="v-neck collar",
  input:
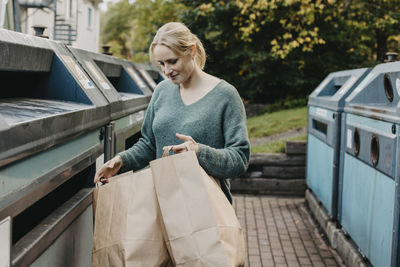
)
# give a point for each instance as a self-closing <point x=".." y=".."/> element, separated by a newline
<point x="199" y="100"/>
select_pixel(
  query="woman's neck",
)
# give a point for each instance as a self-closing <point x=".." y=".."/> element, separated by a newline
<point x="195" y="80"/>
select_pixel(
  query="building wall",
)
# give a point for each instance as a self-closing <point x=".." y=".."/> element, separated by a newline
<point x="80" y="14"/>
<point x="32" y="16"/>
<point x="88" y="26"/>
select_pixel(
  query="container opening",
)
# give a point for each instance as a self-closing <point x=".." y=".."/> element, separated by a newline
<point x="387" y="84"/>
<point x="333" y="86"/>
<point x="356" y="142"/>
<point x="58" y="84"/>
<point x="157" y="77"/>
<point x="31" y="217"/>
<point x="129" y="142"/>
<point x="33" y="95"/>
<point x="119" y="78"/>
<point x="374" y="150"/>
<point x="320" y="126"/>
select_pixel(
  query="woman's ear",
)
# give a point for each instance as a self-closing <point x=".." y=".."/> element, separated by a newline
<point x="193" y="50"/>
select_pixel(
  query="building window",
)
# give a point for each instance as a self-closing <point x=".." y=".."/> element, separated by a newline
<point x="89" y="17"/>
<point x="70" y="8"/>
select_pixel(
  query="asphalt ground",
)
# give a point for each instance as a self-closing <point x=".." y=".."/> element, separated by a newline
<point x="279" y="231"/>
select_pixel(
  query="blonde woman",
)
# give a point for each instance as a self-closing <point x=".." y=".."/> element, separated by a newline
<point x="191" y="107"/>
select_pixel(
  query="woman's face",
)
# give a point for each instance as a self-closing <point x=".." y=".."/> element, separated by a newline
<point x="177" y="68"/>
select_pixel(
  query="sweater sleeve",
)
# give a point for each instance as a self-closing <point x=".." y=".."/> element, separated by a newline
<point x="143" y="151"/>
<point x="233" y="159"/>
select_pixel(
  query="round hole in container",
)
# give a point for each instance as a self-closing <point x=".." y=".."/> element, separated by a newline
<point x="356" y="141"/>
<point x="388" y="87"/>
<point x="374" y="150"/>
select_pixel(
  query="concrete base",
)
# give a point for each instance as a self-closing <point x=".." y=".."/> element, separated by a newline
<point x="337" y="238"/>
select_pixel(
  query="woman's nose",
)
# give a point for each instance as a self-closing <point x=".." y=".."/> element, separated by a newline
<point x="167" y="70"/>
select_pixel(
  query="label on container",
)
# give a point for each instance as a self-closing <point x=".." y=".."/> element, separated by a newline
<point x="5" y="242"/>
<point x="136" y="77"/>
<point x="321" y="112"/>
<point x="140" y="116"/>
<point x="97" y="75"/>
<point x="349" y="138"/>
<point x="131" y="119"/>
<point x="398" y="85"/>
<point x="79" y="74"/>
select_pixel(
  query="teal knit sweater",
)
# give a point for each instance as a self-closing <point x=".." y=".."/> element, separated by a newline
<point x="217" y="122"/>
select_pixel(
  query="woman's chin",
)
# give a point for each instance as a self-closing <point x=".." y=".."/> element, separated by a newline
<point x="175" y="80"/>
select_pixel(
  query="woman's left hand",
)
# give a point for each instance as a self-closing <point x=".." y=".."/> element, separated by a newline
<point x="188" y="142"/>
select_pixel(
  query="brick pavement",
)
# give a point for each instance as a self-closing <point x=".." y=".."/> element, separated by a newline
<point x="280" y="232"/>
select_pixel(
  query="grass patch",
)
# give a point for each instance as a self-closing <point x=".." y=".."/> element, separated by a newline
<point x="277" y="122"/>
<point x="277" y="146"/>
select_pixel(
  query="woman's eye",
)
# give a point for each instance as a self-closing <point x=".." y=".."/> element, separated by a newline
<point x="172" y="61"/>
<point x="161" y="63"/>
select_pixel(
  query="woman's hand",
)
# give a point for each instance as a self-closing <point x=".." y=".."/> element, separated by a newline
<point x="109" y="169"/>
<point x="188" y="143"/>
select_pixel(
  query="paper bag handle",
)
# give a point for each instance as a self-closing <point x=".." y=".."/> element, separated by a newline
<point x="166" y="151"/>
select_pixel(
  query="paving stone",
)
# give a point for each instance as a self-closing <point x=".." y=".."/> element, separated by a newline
<point x="279" y="232"/>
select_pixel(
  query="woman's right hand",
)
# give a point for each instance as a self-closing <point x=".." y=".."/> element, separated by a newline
<point x="109" y="169"/>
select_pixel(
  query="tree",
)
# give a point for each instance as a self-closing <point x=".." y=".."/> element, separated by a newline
<point x="269" y="49"/>
<point x="129" y="28"/>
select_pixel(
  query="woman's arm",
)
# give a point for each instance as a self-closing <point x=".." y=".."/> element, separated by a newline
<point x="233" y="159"/>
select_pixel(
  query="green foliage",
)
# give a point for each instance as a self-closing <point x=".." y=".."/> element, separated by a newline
<point x="130" y="28"/>
<point x="277" y="122"/>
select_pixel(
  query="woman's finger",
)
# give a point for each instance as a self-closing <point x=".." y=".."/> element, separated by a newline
<point x="184" y="137"/>
<point x="98" y="175"/>
<point x="178" y="147"/>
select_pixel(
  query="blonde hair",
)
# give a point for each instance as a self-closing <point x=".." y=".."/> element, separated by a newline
<point x="177" y="37"/>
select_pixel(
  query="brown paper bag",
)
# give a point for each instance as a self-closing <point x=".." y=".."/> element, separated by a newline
<point x="200" y="225"/>
<point x="127" y="228"/>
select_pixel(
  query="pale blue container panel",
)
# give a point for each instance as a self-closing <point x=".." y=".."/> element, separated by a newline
<point x="368" y="195"/>
<point x="73" y="247"/>
<point x="368" y="210"/>
<point x="325" y="107"/>
<point x="319" y="176"/>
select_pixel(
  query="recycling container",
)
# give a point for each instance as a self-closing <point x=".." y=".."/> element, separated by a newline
<point x="368" y="187"/>
<point x="325" y="108"/>
<point x="52" y="119"/>
<point x="151" y="74"/>
<point x="125" y="90"/>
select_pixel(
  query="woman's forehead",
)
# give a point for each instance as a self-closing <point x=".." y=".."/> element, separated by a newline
<point x="163" y="53"/>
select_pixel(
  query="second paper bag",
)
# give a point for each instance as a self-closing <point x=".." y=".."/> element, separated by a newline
<point x="200" y="225"/>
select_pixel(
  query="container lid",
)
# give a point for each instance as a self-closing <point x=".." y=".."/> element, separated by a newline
<point x="334" y="89"/>
<point x="120" y="83"/>
<point x="378" y="94"/>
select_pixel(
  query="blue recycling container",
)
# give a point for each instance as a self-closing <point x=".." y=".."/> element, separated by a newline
<point x="369" y="173"/>
<point x="325" y="107"/>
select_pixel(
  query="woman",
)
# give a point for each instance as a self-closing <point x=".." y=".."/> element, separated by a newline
<point x="190" y="107"/>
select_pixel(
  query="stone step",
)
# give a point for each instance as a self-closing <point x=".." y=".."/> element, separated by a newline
<point x="284" y="172"/>
<point x="295" y="147"/>
<point x="269" y="186"/>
